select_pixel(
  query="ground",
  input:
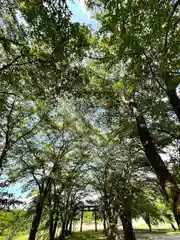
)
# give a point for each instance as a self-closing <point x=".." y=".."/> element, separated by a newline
<point x="92" y="235"/>
<point x="89" y="235"/>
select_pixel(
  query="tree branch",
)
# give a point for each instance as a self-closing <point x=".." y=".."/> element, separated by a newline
<point x="169" y="133"/>
<point x="37" y="182"/>
<point x="25" y="134"/>
<point x="7" y="135"/>
<point x="168" y="26"/>
<point x="10" y="64"/>
<point x="4" y="39"/>
<point x="152" y="73"/>
<point x="32" y="172"/>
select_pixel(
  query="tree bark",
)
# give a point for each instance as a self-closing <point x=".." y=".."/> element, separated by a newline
<point x="166" y="180"/>
<point x="51" y="216"/>
<point x="36" y="218"/>
<point x="81" y="224"/>
<point x="39" y="210"/>
<point x="63" y="231"/>
<point x="171" y="92"/>
<point x="51" y="226"/>
<point x="126" y="217"/>
<point x="148" y="222"/>
<point x="95" y="216"/>
<point x="104" y="226"/>
<point x="70" y="227"/>
<point x="67" y="227"/>
<point x="127" y="227"/>
<point x="55" y="224"/>
<point x="173" y="227"/>
<point x="175" y="101"/>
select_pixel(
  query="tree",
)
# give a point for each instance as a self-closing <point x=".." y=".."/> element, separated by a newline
<point x="137" y="70"/>
<point x="113" y="168"/>
<point x="49" y="161"/>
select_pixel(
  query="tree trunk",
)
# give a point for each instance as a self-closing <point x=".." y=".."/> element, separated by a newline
<point x="55" y="224"/>
<point x="51" y="226"/>
<point x="39" y="207"/>
<point x="36" y="218"/>
<point x="67" y="227"/>
<point x="70" y="227"/>
<point x="127" y="227"/>
<point x="148" y="222"/>
<point x="150" y="228"/>
<point x="175" y="102"/>
<point x="171" y="92"/>
<point x="173" y="227"/>
<point x="126" y="218"/>
<point x="51" y="216"/>
<point x="105" y="227"/>
<point x="81" y="224"/>
<point x="63" y="231"/>
<point x="176" y="206"/>
<point x="95" y="216"/>
<point x="166" y="180"/>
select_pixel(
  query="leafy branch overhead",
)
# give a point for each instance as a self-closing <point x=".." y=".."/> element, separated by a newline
<point x="89" y="116"/>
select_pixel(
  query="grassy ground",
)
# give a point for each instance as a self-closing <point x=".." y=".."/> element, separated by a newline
<point x="22" y="237"/>
<point x="89" y="235"/>
<point x="92" y="235"/>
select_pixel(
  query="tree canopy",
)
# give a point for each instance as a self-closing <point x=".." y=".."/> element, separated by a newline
<point x="89" y="114"/>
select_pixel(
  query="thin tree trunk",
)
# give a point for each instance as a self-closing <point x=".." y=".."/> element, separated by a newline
<point x="148" y="222"/>
<point x="81" y="224"/>
<point x="173" y="227"/>
<point x="95" y="216"/>
<point x="70" y="227"/>
<point x="67" y="227"/>
<point x="36" y="218"/>
<point x="127" y="227"/>
<point x="63" y="230"/>
<point x="51" y="215"/>
<point x="55" y="224"/>
<point x="150" y="228"/>
<point x="104" y="225"/>
<point x="51" y="226"/>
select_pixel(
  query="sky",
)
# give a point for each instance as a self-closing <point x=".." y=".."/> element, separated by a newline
<point x="79" y="14"/>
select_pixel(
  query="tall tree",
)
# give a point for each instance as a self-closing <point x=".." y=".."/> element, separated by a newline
<point x="137" y="58"/>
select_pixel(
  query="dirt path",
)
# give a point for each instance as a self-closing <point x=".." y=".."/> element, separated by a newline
<point x="156" y="237"/>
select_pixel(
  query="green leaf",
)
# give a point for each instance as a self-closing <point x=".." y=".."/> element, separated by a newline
<point x="117" y="85"/>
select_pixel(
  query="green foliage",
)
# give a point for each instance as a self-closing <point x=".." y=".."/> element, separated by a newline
<point x="67" y="127"/>
<point x="88" y="217"/>
<point x="13" y="220"/>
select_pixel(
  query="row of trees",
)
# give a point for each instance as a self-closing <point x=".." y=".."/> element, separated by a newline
<point x="41" y="135"/>
<point x="84" y="112"/>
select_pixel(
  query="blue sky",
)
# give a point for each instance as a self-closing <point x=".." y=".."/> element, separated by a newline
<point x="80" y="13"/>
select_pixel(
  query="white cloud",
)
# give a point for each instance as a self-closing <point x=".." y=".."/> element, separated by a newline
<point x="83" y="7"/>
